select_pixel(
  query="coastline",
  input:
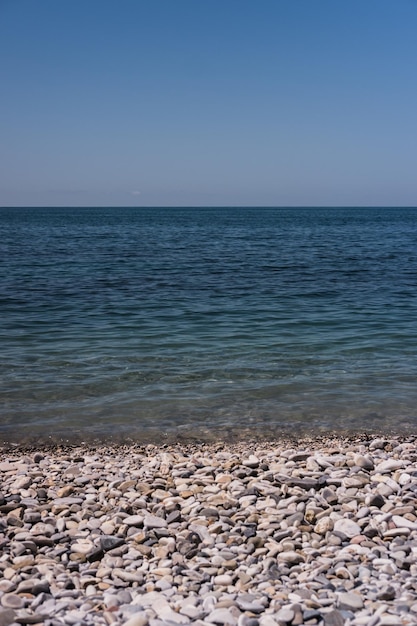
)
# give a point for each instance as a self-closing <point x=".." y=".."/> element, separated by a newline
<point x="311" y="531"/>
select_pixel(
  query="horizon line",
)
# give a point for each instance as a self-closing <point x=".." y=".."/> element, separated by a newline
<point x="211" y="206"/>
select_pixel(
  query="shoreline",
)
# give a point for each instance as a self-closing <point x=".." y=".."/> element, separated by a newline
<point x="182" y="439"/>
<point x="318" y="530"/>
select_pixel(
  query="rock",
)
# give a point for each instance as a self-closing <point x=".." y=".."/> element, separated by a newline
<point x="334" y="618"/>
<point x="166" y="613"/>
<point x="364" y="461"/>
<point x="33" y="586"/>
<point x="168" y="536"/>
<point x="403" y="522"/>
<point x="25" y="617"/>
<point x="375" y="500"/>
<point x="290" y="557"/>
<point x="304" y="483"/>
<point x="251" y="602"/>
<point x="209" y="512"/>
<point x="23" y="482"/>
<point x="137" y="619"/>
<point x="323" y="525"/>
<point x="12" y="601"/>
<point x="388" y="466"/>
<point x="387" y="619"/>
<point x="134" y="520"/>
<point x="252" y="462"/>
<point x="221" y="616"/>
<point x="7" y="616"/>
<point x="284" y="616"/>
<point x="311" y="614"/>
<point x="82" y="547"/>
<point x="347" y="527"/>
<point x="377" y="444"/>
<point x="387" y="594"/>
<point x="223" y="580"/>
<point x="397" y="532"/>
<point x="109" y="542"/>
<point x="349" y="601"/>
<point x="245" y="620"/>
<point x="152" y="521"/>
<point x="65" y="491"/>
<point x="67" y="501"/>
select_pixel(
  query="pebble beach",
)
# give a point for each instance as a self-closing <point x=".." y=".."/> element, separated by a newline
<point x="316" y="531"/>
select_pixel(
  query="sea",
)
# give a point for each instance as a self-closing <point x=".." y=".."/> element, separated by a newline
<point x="165" y="324"/>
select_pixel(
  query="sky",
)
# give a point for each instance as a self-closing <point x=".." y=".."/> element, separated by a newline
<point x="208" y="102"/>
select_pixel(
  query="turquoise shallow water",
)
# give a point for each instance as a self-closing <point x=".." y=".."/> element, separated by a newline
<point x="194" y="322"/>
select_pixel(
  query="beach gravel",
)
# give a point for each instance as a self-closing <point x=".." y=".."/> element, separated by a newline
<point x="317" y="532"/>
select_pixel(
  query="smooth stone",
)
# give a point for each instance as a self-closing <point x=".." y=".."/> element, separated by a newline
<point x="403" y="522"/>
<point x="209" y="512"/>
<point x="349" y="601"/>
<point x="68" y="501"/>
<point x="32" y="517"/>
<point x="152" y="521"/>
<point x="377" y="444"/>
<point x="250" y="602"/>
<point x="133" y="520"/>
<point x="137" y="619"/>
<point x="109" y="542"/>
<point x="267" y="620"/>
<point x="385" y="490"/>
<point x="304" y="483"/>
<point x="82" y="548"/>
<point x="31" y="618"/>
<point x="11" y="601"/>
<point x="221" y="616"/>
<point x="311" y="614"/>
<point x="7" y="616"/>
<point x="193" y="612"/>
<point x="245" y="620"/>
<point x="290" y="557"/>
<point x="347" y="527"/>
<point x="388" y="593"/>
<point x="397" y="532"/>
<point x="390" y="620"/>
<point x="34" y="586"/>
<point x="223" y="580"/>
<point x="334" y="618"/>
<point x="390" y="465"/>
<point x="323" y="525"/>
<point x="404" y="479"/>
<point x="251" y="462"/>
<point x="63" y="492"/>
<point x="284" y="615"/>
<point x="166" y="613"/>
<point x="124" y="486"/>
<point x="111" y="600"/>
<point x="329" y="495"/>
<point x="365" y="462"/>
<point x="375" y="499"/>
<point x="209" y="603"/>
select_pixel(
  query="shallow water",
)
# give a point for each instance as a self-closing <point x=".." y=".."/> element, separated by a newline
<point x="176" y="322"/>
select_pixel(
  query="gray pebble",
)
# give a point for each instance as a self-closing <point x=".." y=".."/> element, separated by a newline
<point x="259" y="535"/>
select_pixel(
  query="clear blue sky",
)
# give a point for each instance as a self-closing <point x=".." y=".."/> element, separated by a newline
<point x="208" y="102"/>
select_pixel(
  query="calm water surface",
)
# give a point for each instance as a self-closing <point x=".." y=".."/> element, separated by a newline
<point x="199" y="322"/>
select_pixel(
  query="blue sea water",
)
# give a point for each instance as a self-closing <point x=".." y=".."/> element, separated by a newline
<point x="207" y="322"/>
